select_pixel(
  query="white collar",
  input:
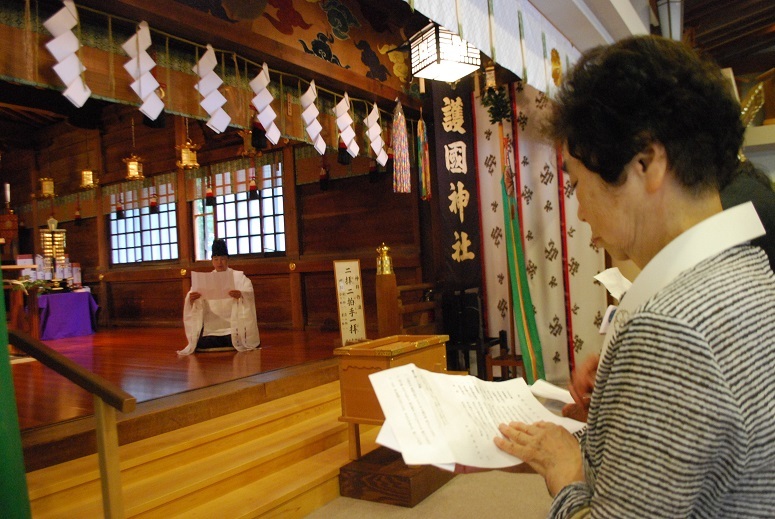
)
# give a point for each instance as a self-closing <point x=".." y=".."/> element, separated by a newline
<point x="708" y="238"/>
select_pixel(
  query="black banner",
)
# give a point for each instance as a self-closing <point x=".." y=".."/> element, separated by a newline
<point x="457" y="188"/>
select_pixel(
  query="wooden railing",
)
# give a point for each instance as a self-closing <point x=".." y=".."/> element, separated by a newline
<point x="107" y="399"/>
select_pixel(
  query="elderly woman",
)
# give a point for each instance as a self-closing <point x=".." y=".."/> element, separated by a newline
<point x="681" y="420"/>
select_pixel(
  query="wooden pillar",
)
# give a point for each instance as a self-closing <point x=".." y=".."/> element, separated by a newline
<point x="292" y="246"/>
<point x="388" y="319"/>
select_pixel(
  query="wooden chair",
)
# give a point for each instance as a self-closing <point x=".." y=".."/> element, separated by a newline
<point x="509" y="363"/>
<point x="462" y="318"/>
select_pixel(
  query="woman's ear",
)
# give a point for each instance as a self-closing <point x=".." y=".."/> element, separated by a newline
<point x="652" y="163"/>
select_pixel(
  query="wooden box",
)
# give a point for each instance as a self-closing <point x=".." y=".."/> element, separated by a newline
<point x="383" y="477"/>
<point x="358" y="361"/>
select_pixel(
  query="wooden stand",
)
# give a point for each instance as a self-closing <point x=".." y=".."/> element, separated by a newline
<point x="357" y="362"/>
<point x="401" y="309"/>
<point x="383" y="477"/>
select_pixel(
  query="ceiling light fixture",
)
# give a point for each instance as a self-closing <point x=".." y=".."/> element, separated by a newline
<point x="442" y="55"/>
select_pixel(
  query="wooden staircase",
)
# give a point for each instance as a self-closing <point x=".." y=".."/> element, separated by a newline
<point x="277" y="459"/>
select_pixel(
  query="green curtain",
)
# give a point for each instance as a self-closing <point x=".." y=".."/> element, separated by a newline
<point x="14" y="500"/>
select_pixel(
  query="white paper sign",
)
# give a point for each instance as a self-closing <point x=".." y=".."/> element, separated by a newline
<point x="212" y="285"/>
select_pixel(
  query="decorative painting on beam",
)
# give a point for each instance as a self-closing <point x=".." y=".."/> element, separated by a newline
<point x="337" y="31"/>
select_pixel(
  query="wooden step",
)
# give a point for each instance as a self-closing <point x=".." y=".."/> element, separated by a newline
<point x="291" y="492"/>
<point x="295" y="435"/>
<point x="276" y="413"/>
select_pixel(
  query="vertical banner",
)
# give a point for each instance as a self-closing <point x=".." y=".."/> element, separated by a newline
<point x="492" y="160"/>
<point x="524" y="310"/>
<point x="457" y="186"/>
<point x="540" y="213"/>
<point x="560" y="260"/>
<point x="349" y="298"/>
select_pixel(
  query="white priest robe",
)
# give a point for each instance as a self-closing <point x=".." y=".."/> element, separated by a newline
<point x="229" y="316"/>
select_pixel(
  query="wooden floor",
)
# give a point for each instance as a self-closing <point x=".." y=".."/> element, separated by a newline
<point x="144" y="363"/>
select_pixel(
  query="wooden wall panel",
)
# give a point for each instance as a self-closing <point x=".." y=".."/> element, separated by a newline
<point x="353" y="215"/>
<point x="156" y="146"/>
<point x="320" y="299"/>
<point x="273" y="300"/>
<point x="82" y="245"/>
<point x="320" y="296"/>
<point x="146" y="301"/>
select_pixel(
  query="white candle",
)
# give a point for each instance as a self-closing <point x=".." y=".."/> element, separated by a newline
<point x="8" y="193"/>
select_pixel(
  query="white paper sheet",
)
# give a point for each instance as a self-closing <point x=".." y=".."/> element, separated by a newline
<point x="209" y="83"/>
<point x="451" y="419"/>
<point x="614" y="281"/>
<point x="273" y="133"/>
<point x="382" y="158"/>
<point x="543" y="389"/>
<point x="213" y="102"/>
<point x="63" y="45"/>
<point x="262" y="99"/>
<point x="343" y="121"/>
<point x="138" y="42"/>
<point x="320" y="144"/>
<point x="138" y="66"/>
<point x="219" y="121"/>
<point x="308" y="97"/>
<point x="69" y="69"/>
<point x="353" y="148"/>
<point x="348" y="135"/>
<point x="145" y="86"/>
<point x="314" y="129"/>
<point x="206" y="63"/>
<point x="152" y="106"/>
<point x="77" y="93"/>
<point x="63" y="20"/>
<point x="212" y="285"/>
<point x="309" y="114"/>
<point x="266" y="116"/>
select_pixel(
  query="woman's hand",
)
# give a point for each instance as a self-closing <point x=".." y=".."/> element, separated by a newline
<point x="236" y="294"/>
<point x="548" y="448"/>
<point x="581" y="386"/>
<point x="193" y="296"/>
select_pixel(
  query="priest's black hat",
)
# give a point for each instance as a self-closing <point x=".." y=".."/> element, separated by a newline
<point x="219" y="247"/>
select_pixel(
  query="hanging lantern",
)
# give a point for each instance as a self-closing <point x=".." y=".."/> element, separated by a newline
<point x="153" y="203"/>
<point x="134" y="167"/>
<point x="252" y="189"/>
<point x="87" y="179"/>
<point x="188" y="153"/>
<point x="120" y="208"/>
<point x="324" y="176"/>
<point x="209" y="196"/>
<point x="440" y="54"/>
<point x="77" y="214"/>
<point x="47" y="187"/>
<point x="134" y="164"/>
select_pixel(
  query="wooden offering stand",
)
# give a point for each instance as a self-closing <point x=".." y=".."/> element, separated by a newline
<point x="381" y="475"/>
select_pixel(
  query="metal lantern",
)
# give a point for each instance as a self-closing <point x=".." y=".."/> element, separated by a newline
<point x="188" y="153"/>
<point x="134" y="164"/>
<point x="442" y="55"/>
<point x="47" y="187"/>
<point x="87" y="179"/>
<point x="134" y="167"/>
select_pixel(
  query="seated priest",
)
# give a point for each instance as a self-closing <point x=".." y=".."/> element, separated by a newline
<point x="219" y="324"/>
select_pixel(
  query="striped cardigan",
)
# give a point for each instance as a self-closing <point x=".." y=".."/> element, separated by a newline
<point x="682" y="419"/>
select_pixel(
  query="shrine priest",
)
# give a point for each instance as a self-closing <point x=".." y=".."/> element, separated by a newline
<point x="221" y="324"/>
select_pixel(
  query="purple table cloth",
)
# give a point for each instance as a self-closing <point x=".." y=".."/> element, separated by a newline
<point x="70" y="314"/>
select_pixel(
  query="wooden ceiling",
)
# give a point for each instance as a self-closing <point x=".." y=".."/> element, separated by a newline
<point x="737" y="33"/>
